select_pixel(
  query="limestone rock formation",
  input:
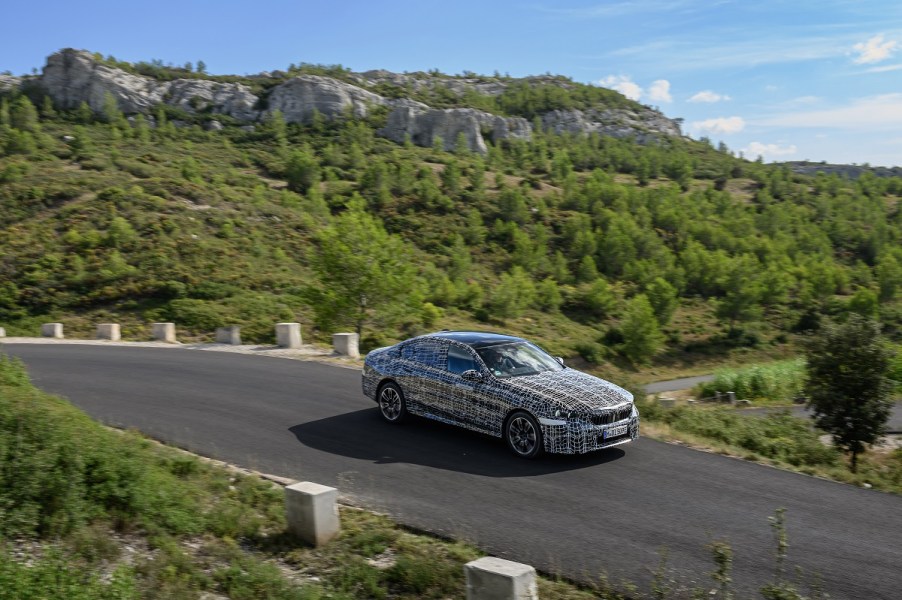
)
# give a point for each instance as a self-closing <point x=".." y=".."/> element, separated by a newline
<point x="8" y="82"/>
<point x="299" y="97"/>
<point x="74" y="76"/>
<point x="423" y="125"/>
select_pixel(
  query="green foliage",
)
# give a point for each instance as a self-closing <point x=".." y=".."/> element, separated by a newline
<point x="53" y="576"/>
<point x="642" y="338"/>
<point x="848" y="383"/>
<point x="362" y="269"/>
<point x="782" y="382"/>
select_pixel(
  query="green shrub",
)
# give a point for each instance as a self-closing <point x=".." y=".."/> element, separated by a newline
<point x="780" y="381"/>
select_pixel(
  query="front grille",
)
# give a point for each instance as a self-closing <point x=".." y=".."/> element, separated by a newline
<point x="606" y="417"/>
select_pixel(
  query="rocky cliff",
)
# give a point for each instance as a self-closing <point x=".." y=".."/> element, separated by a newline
<point x="71" y="77"/>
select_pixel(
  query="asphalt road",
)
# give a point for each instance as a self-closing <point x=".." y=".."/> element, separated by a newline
<point x="610" y="512"/>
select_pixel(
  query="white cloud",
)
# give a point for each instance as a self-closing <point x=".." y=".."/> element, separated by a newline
<point x="722" y="125"/>
<point x="875" y="113"/>
<point x="874" y="50"/>
<point x="884" y="69"/>
<point x="624" y="85"/>
<point x="660" y="91"/>
<point x="709" y="97"/>
<point x="756" y="149"/>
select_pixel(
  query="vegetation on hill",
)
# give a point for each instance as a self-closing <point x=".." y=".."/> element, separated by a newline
<point x="669" y="253"/>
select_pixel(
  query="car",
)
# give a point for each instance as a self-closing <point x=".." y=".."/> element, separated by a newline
<point x="503" y="386"/>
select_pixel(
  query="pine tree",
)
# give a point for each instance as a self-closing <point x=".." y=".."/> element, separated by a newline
<point x="642" y="338"/>
<point x="848" y="383"/>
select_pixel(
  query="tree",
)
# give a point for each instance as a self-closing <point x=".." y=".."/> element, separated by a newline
<point x="848" y="387"/>
<point x="363" y="271"/>
<point x="302" y="171"/>
<point x="642" y="337"/>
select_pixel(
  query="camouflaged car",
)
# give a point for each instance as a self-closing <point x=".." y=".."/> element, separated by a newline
<point x="503" y="386"/>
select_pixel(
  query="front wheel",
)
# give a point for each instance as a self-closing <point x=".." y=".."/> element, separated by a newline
<point x="523" y="435"/>
<point x="391" y="403"/>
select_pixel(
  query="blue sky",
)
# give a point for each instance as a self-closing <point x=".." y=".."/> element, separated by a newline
<point x="788" y="80"/>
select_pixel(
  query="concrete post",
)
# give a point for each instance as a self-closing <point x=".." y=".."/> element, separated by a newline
<point x="288" y="335"/>
<point x="108" y="331"/>
<point x="164" y="332"/>
<point x="52" y="330"/>
<point x="491" y="578"/>
<point x="229" y="335"/>
<point x="717" y="397"/>
<point x="311" y="512"/>
<point x="346" y="344"/>
<point x="731" y="398"/>
<point x="2" y="332"/>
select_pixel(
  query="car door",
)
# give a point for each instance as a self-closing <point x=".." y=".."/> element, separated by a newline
<point x="470" y="402"/>
<point x="420" y="376"/>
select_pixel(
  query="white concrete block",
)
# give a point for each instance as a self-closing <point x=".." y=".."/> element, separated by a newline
<point x="288" y="335"/>
<point x="491" y="578"/>
<point x="164" y="332"/>
<point x="108" y="331"/>
<point x="52" y="330"/>
<point x="229" y="335"/>
<point x="347" y="344"/>
<point x="312" y="512"/>
<point x="2" y="332"/>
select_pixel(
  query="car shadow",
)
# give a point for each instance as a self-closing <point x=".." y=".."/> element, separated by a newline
<point x="364" y="435"/>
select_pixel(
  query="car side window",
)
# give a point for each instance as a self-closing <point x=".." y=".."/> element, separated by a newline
<point x="427" y="352"/>
<point x="459" y="360"/>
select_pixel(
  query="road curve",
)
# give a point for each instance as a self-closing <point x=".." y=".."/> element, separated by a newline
<point x="606" y="513"/>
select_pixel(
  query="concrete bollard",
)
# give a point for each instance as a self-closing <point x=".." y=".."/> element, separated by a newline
<point x="164" y="332"/>
<point x="666" y="402"/>
<point x="52" y="330"/>
<point x="491" y="578"/>
<point x="288" y="335"/>
<point x="731" y="398"/>
<point x="108" y="331"/>
<point x="346" y="344"/>
<point x="2" y="332"/>
<point x="312" y="512"/>
<point x="229" y="335"/>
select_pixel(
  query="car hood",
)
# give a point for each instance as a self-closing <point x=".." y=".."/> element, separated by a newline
<point x="572" y="389"/>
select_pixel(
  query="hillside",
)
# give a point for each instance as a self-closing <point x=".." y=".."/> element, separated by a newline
<point x="629" y="249"/>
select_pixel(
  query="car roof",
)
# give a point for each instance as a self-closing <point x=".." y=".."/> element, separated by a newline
<point x="476" y="339"/>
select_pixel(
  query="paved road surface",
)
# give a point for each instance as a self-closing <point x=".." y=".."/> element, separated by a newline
<point x="608" y="512"/>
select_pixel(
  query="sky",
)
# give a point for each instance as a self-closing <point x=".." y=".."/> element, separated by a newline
<point x="785" y="80"/>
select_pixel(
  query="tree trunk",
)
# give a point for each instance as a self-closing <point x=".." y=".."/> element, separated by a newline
<point x="854" y="465"/>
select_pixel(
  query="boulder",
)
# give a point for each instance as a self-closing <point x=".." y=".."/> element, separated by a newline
<point x="423" y="125"/>
<point x="299" y="97"/>
<point x="9" y="82"/>
<point x="198" y="95"/>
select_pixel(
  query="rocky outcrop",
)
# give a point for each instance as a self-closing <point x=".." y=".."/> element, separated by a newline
<point x="644" y="126"/>
<point x="423" y="125"/>
<point x="300" y="97"/>
<point x="75" y="76"/>
<point x="8" y="82"/>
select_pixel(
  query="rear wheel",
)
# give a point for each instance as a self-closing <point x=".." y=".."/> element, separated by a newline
<point x="523" y="435"/>
<point x="391" y="403"/>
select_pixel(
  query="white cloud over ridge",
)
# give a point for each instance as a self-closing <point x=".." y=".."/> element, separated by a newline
<point x="756" y="149"/>
<point x="660" y="91"/>
<point x="874" y="50"/>
<point x="709" y="97"/>
<point x="624" y="85"/>
<point x="721" y="125"/>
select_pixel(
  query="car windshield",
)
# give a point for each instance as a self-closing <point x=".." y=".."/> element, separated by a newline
<point x="517" y="358"/>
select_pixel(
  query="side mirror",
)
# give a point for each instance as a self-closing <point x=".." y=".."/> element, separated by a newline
<point x="471" y="375"/>
<point x="560" y="359"/>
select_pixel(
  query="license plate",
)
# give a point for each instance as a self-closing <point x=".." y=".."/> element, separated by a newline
<point x="614" y="431"/>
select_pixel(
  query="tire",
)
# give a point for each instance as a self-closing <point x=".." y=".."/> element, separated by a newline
<point x="523" y="435"/>
<point x="392" y="406"/>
